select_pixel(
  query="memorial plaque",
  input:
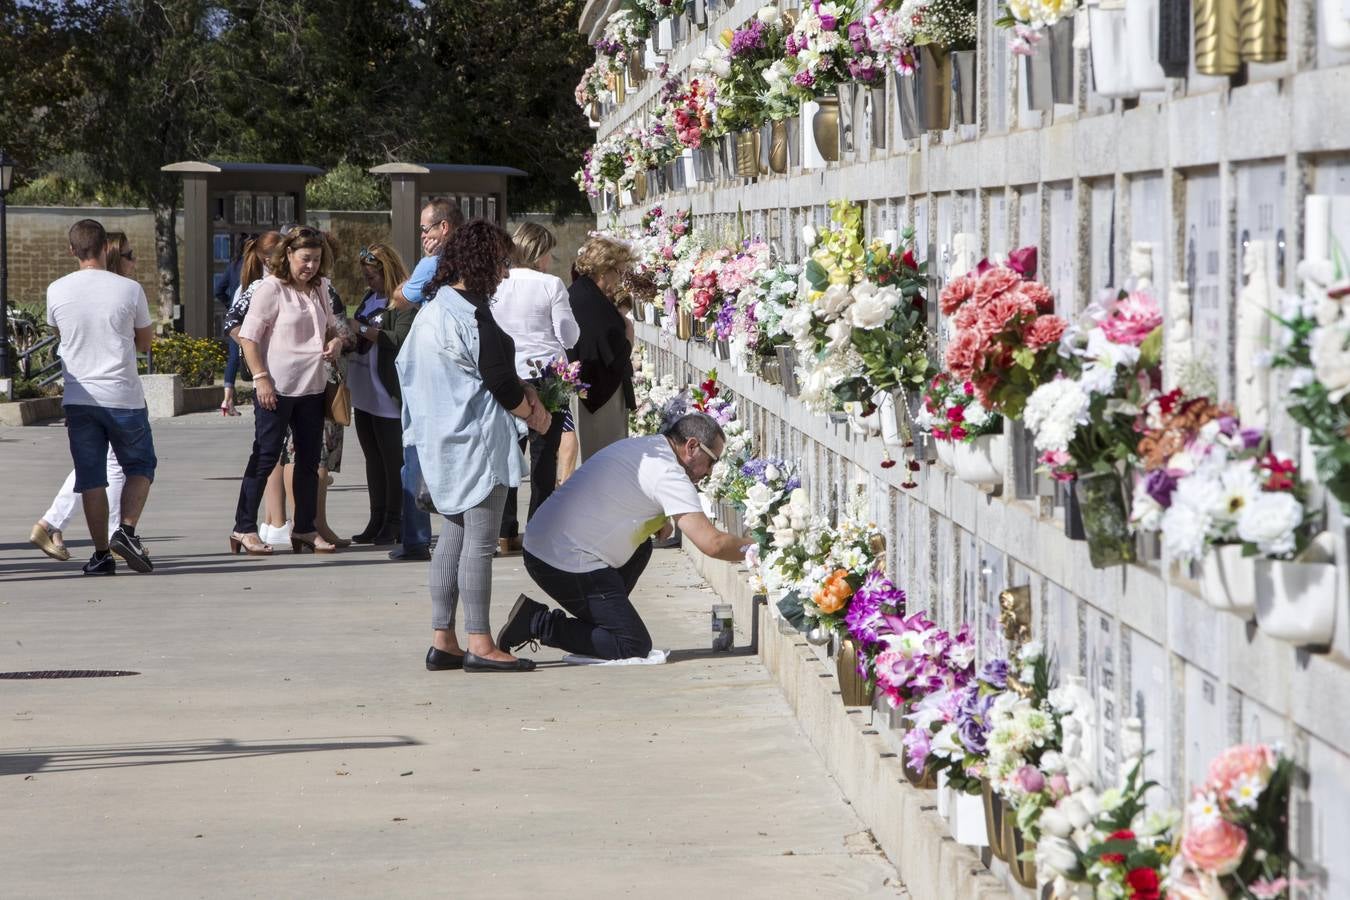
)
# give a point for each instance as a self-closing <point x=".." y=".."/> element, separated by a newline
<point x="1058" y="626"/>
<point x="970" y="579"/>
<point x="991" y="642"/>
<point x="998" y="225"/>
<point x="1000" y="58"/>
<point x="921" y="544"/>
<point x="967" y="213"/>
<point x="1203" y="272"/>
<point x="1102" y="253"/>
<point x="1103" y="674"/>
<point x="921" y="235"/>
<point x="942" y="601"/>
<point x="1028" y="218"/>
<point x="1064" y="249"/>
<point x="1259" y="724"/>
<point x="1205" y="728"/>
<point x="1323" y="825"/>
<point x="1147" y="699"/>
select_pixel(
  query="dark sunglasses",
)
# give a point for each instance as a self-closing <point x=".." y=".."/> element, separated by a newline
<point x="369" y="258"/>
<point x="425" y="228"/>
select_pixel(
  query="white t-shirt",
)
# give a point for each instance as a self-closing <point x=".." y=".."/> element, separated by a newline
<point x="97" y="314"/>
<point x="533" y="307"/>
<point x="614" y="502"/>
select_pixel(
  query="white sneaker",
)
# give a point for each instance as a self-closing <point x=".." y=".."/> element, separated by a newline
<point x="281" y="535"/>
<point x="265" y="533"/>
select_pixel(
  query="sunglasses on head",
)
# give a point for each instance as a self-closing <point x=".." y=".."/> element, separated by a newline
<point x="368" y="257"/>
<point x="301" y="231"/>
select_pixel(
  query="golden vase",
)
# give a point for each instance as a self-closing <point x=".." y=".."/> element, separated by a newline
<point x="995" y="811"/>
<point x="639" y="187"/>
<point x="1016" y="844"/>
<point x="684" y="324"/>
<point x="854" y="689"/>
<point x="825" y="127"/>
<point x="747" y="153"/>
<point x="778" y="148"/>
<point x="1261" y="25"/>
<point x="1216" y="37"/>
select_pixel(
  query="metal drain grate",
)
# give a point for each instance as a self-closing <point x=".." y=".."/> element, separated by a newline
<point x="67" y="673"/>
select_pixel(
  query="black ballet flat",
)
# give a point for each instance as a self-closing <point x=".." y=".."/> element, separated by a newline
<point x="474" y="663"/>
<point x="440" y="661"/>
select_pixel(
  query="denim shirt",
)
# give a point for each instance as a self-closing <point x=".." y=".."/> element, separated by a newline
<point x="467" y="443"/>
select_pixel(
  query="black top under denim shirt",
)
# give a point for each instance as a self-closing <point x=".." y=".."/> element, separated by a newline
<point x="496" y="354"/>
<point x="603" y="348"/>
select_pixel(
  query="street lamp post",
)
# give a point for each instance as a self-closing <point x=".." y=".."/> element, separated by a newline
<point x="6" y="178"/>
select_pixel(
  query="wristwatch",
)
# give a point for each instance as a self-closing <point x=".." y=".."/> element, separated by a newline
<point x="362" y="329"/>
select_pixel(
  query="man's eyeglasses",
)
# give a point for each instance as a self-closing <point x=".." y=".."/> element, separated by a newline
<point x="425" y="228"/>
<point x="711" y="455"/>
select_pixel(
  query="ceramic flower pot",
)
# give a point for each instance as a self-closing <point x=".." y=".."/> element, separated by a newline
<point x="944" y="797"/>
<point x="747" y="153"/>
<point x="1261" y="30"/>
<point x="854" y="689"/>
<point x="639" y="191"/>
<point x="597" y="204"/>
<point x="768" y="371"/>
<point x="933" y="88"/>
<point x="1106" y="519"/>
<point x="875" y="115"/>
<point x="700" y="329"/>
<point x="825" y="128"/>
<point x="1141" y="28"/>
<point x="1060" y="37"/>
<point x="1297" y="601"/>
<point x="1216" y="37"/>
<point x="946" y="453"/>
<point x="1110" y="68"/>
<point x="787" y="369"/>
<point x="1228" y="579"/>
<point x="1037" y="77"/>
<point x="663" y="39"/>
<point x="995" y="810"/>
<point x="967" y="819"/>
<point x="981" y="461"/>
<point x="1333" y="24"/>
<point x="684" y="324"/>
<point x="794" y="140"/>
<point x="726" y="155"/>
<point x="1174" y="36"/>
<point x="698" y="12"/>
<point x="723" y="348"/>
<point x="705" y="162"/>
<point x="964" y="96"/>
<point x="906" y="106"/>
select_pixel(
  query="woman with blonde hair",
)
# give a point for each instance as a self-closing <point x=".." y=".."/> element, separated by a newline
<point x="287" y="334"/>
<point x="381" y="328"/>
<point x="532" y="307"/>
<point x="605" y="345"/>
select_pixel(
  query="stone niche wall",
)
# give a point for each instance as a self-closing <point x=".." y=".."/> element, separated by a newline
<point x="1191" y="174"/>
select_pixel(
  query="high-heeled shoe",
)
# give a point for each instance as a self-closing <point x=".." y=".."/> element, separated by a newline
<point x="312" y="543"/>
<point x="338" y="542"/>
<point x="243" y="542"/>
<point x="367" y="535"/>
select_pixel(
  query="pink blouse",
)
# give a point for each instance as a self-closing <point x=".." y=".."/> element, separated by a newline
<point x="290" y="328"/>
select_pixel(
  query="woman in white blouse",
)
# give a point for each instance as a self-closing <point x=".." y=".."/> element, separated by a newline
<point x="532" y="306"/>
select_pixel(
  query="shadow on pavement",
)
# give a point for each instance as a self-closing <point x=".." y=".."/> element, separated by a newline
<point x="85" y="758"/>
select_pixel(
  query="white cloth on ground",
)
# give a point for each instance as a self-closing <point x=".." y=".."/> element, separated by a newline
<point x="655" y="658"/>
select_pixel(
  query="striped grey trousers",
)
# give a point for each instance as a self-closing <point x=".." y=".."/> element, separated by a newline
<point x="461" y="566"/>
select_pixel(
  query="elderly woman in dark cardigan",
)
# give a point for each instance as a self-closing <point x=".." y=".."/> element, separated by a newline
<point x="605" y="346"/>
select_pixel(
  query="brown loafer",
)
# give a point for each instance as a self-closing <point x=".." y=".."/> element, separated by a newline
<point x="41" y="538"/>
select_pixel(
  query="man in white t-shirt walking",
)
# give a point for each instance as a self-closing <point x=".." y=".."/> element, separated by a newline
<point x="102" y="320"/>
<point x="590" y="541"/>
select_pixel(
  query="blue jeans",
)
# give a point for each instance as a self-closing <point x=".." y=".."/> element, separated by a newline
<point x="415" y="529"/>
<point x="91" y="430"/>
<point x="603" y="622"/>
<point x="231" y="361"/>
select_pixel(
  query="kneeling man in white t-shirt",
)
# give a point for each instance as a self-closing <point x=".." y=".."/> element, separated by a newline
<point x="590" y="541"/>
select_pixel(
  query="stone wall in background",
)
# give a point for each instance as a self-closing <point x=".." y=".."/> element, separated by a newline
<point x="39" y="252"/>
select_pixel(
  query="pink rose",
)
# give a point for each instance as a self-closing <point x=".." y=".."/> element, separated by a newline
<point x="1039" y="294"/>
<point x="1023" y="262"/>
<point x="1030" y="779"/>
<point x="1216" y="848"/>
<point x="1132" y="319"/>
<point x="995" y="283"/>
<point x="957" y="291"/>
<point x="1236" y="762"/>
<point x="1059" y="785"/>
<point x="1044" y="331"/>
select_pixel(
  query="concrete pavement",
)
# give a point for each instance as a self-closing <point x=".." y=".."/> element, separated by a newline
<point x="284" y="740"/>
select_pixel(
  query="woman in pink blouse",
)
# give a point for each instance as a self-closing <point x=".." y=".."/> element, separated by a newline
<point x="287" y="334"/>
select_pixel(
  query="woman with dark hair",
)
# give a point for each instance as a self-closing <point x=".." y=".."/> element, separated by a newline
<point x="605" y="346"/>
<point x="465" y="409"/>
<point x="287" y="334"/>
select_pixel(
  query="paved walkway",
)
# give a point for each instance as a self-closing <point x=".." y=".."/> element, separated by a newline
<point x="284" y="740"/>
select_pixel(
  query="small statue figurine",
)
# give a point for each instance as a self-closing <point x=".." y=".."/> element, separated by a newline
<point x="1015" y="614"/>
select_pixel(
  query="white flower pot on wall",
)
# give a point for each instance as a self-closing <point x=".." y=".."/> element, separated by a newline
<point x="946" y="453"/>
<point x="1110" y="69"/>
<point x="810" y="154"/>
<point x="944" y="796"/>
<point x="1334" y="24"/>
<point x="1296" y="601"/>
<point x="1228" y="579"/>
<point x="967" y="819"/>
<point x="981" y="461"/>
<point x="1141" y="32"/>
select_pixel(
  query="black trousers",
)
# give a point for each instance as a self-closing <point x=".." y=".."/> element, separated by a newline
<point x="381" y="440"/>
<point x="603" y="622"/>
<point x="543" y="475"/>
<point x="304" y="415"/>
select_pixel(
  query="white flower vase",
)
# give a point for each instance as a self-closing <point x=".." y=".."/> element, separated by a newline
<point x="1296" y="601"/>
<point x="946" y="453"/>
<point x="944" y="797"/>
<point x="1228" y="579"/>
<point x="1110" y="70"/>
<point x="967" y="819"/>
<point x="1141" y="43"/>
<point x="865" y="425"/>
<point x="981" y="461"/>
<point x="707" y="503"/>
<point x="1335" y="25"/>
<point x="887" y="415"/>
<point x="665" y="35"/>
<point x="810" y="153"/>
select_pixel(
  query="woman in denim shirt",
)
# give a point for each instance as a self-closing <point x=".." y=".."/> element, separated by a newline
<point x="465" y="410"/>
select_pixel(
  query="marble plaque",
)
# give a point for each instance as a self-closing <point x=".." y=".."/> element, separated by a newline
<point x="921" y="229"/>
<point x="942" y="600"/>
<point x="1000" y="59"/>
<point x="1058" y="628"/>
<point x="970" y="579"/>
<point x="1323" y="825"/>
<point x="1149" y="216"/>
<point x="1028" y="218"/>
<point x="990" y="633"/>
<point x="1205" y="723"/>
<point x="1102" y="252"/>
<point x="1103" y="673"/>
<point x="1203" y="255"/>
<point x="966" y="211"/>
<point x="998" y="225"/>
<point x="1147" y="699"/>
<point x="1063" y="249"/>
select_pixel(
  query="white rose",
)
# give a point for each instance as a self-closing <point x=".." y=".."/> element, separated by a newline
<point x="771" y="472"/>
<point x="758" y="499"/>
<point x="721" y="68"/>
<point x="872" y="306"/>
<point x="1057" y="854"/>
<point x="809" y="235"/>
<point x="768" y="15"/>
<point x="832" y="303"/>
<point x="1269" y="522"/>
<point x="1330" y="350"/>
<point x="1073" y="809"/>
<point x="838" y="333"/>
<point x="699" y="64"/>
<point x="1053" y="822"/>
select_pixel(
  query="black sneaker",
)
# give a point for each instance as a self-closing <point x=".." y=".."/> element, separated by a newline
<point x="519" y="629"/>
<point x="128" y="546"/>
<point x="105" y="565"/>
